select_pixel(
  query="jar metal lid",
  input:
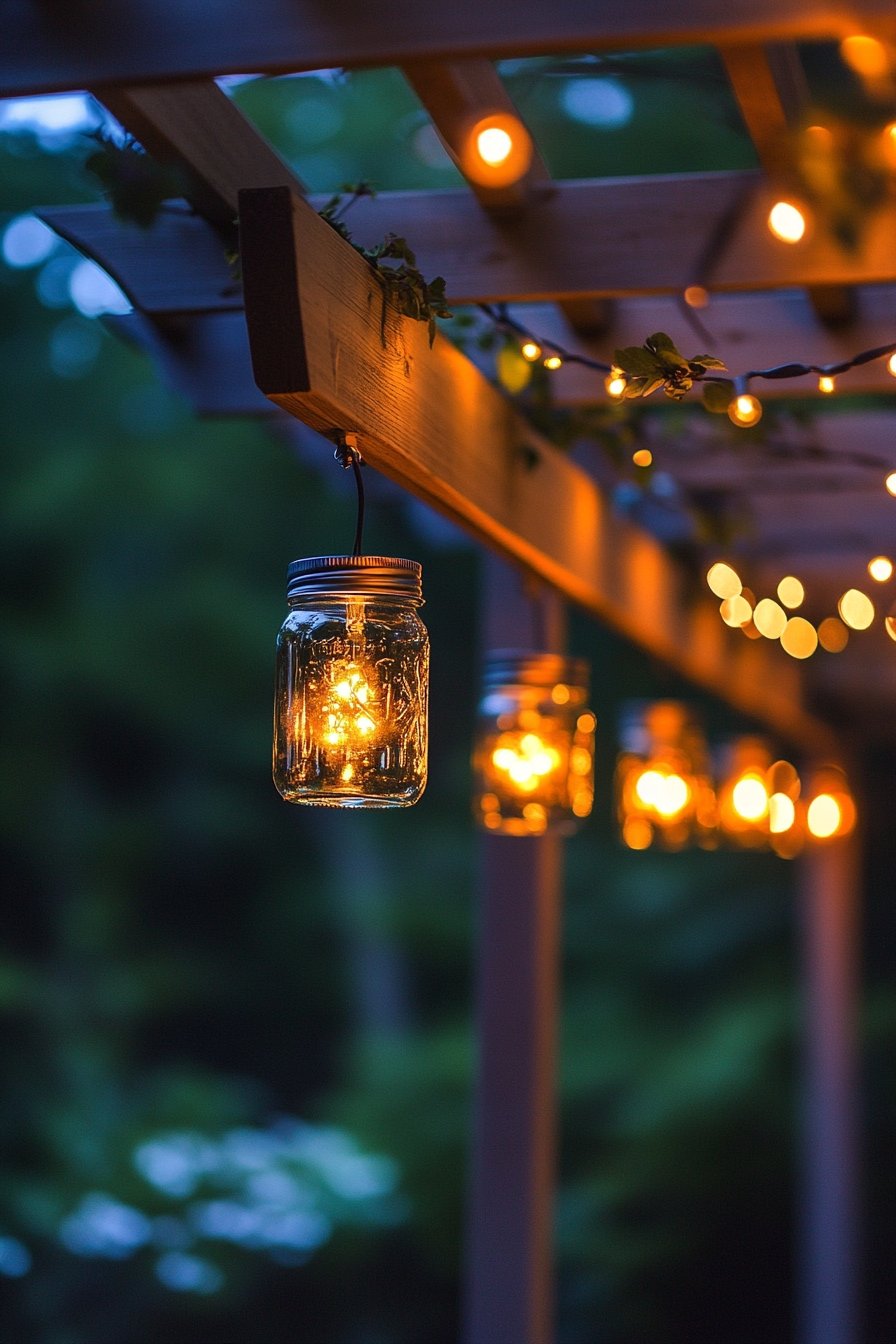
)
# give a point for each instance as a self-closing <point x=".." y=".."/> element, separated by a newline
<point x="518" y="667"/>
<point x="363" y="575"/>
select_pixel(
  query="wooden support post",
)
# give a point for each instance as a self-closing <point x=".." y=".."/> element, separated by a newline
<point x="828" y="1259"/>
<point x="509" y="1277"/>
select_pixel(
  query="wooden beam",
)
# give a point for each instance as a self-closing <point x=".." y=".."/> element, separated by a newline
<point x="85" y="43"/>
<point x="619" y="236"/>
<point x="649" y="239"/>
<point x="772" y="92"/>
<point x="458" y="94"/>
<point x="197" y="127"/>
<point x="324" y="349"/>
<point x="830" y="892"/>
<point x="509" y="1288"/>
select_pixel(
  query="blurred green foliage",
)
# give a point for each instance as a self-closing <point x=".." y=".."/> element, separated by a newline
<point x="211" y="999"/>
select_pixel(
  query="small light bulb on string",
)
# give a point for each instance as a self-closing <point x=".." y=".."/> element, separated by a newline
<point x="553" y="361"/>
<point x="866" y="56"/>
<point x="616" y="383"/>
<point x="695" y="296"/>
<point x="856" y="609"/>
<point x="826" y="384"/>
<point x="890" y="482"/>
<point x="496" y="151"/>
<point x="642" y="457"/>
<point x="891" y="366"/>
<point x="831" y="811"/>
<point x="880" y="568"/>
<point x="530" y="350"/>
<point x="744" y="409"/>
<point x="791" y="592"/>
<point x="786" y="222"/>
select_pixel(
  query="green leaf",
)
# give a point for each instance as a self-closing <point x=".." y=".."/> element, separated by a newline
<point x="708" y="362"/>
<point x="717" y="395"/>
<point x="637" y="362"/>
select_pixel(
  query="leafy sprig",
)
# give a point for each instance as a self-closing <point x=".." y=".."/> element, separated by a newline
<point x="134" y="183"/>
<point x="659" y="364"/>
<point x="403" y="285"/>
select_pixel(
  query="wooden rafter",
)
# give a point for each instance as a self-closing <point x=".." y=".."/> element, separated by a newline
<point x="456" y="95"/>
<point x="97" y="42"/>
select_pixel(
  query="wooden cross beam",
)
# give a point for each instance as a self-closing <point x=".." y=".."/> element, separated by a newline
<point x="325" y="349"/>
<point x="93" y="42"/>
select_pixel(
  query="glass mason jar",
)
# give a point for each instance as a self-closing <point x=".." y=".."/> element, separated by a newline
<point x="534" y="754"/>
<point x="351" y="685"/>
<point x="664" y="793"/>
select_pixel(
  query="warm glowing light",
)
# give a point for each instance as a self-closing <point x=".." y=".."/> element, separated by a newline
<point x="749" y="798"/>
<point x="833" y="635"/>
<point x="856" y="609"/>
<point x="616" y="383"/>
<point x="769" y="618"/>
<point x="787" y="222"/>
<point x="825" y="383"/>
<point x="723" y="580"/>
<point x="525" y="759"/>
<point x="560" y="693"/>
<point x="890" y="622"/>
<point x="637" y="833"/>
<point x="891" y="366"/>
<point x="553" y="362"/>
<point x="890" y="482"/>
<point x="695" y="296"/>
<point x="667" y="794"/>
<point x="345" y="713"/>
<point x="745" y="410"/>
<point x="642" y="457"/>
<point x="889" y="136"/>
<point x="497" y="151"/>
<point x="781" y="813"/>
<point x="586" y="723"/>
<point x="736" y="611"/>
<point x="791" y="592"/>
<point x="880" y="568"/>
<point x="824" y="816"/>
<point x="530" y="350"/>
<point x="494" y="145"/>
<point x="799" y="638"/>
<point x="866" y="56"/>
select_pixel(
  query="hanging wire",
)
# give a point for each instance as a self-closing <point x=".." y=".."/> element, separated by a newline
<point x="348" y="455"/>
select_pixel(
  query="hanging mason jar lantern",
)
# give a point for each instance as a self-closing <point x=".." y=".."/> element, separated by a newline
<point x="743" y="792"/>
<point x="350" y="725"/>
<point x="534" y="755"/>
<point x="352" y="676"/>
<point x="663" y="791"/>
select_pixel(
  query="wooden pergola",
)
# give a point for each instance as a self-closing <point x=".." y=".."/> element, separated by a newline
<point x="307" y="321"/>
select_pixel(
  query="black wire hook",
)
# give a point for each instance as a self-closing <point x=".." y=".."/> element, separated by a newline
<point x="348" y="455"/>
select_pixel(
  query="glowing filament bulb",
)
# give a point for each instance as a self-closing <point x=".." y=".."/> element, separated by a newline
<point x="891" y="363"/>
<point x="745" y="410"/>
<point x="880" y="568"/>
<point x="525" y="760"/>
<point x="666" y="794"/>
<point x="494" y="145"/>
<point x="615" y="383"/>
<point x="824" y="816"/>
<point x="749" y="798"/>
<point x="781" y="813"/>
<point x="890" y="482"/>
<point x="825" y="383"/>
<point x="787" y="222"/>
<point x="553" y="362"/>
<point x="346" y="713"/>
<point x="530" y="350"/>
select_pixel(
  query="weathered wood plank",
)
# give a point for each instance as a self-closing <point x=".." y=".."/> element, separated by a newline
<point x="90" y="42"/>
<point x="486" y="262"/>
<point x="432" y="422"/>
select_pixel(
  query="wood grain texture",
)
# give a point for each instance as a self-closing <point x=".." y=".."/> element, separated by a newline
<point x="432" y="422"/>
<point x="89" y="42"/>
